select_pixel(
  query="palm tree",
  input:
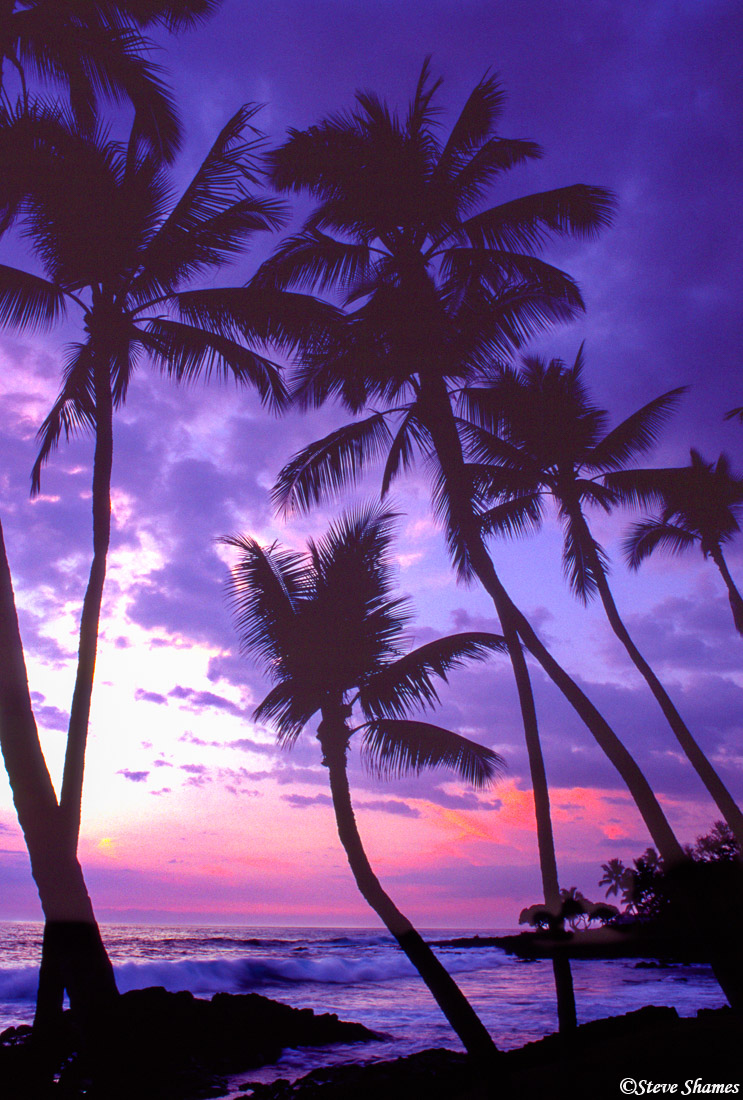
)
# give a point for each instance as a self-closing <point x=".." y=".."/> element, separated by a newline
<point x="435" y="288"/>
<point x="700" y="505"/>
<point x="537" y="434"/>
<point x="328" y="631"/>
<point x="113" y="244"/>
<point x="94" y="49"/>
<point x="84" y="969"/>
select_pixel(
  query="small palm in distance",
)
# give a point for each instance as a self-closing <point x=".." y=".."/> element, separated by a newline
<point x="700" y="505"/>
<point x="327" y="629"/>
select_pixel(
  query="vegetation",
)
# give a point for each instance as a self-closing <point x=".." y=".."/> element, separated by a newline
<point x="428" y="288"/>
<point x="329" y="632"/>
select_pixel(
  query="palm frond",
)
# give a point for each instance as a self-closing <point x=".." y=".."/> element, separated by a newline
<point x="260" y="314"/>
<point x="331" y="464"/>
<point x="265" y="590"/>
<point x="392" y="748"/>
<point x="636" y="435"/>
<point x="187" y="353"/>
<point x="529" y="222"/>
<point x="27" y="301"/>
<point x="649" y="535"/>
<point x="579" y="546"/>
<point x="642" y="488"/>
<point x="409" y="436"/>
<point x="314" y="260"/>
<point x="513" y="518"/>
<point x="72" y="412"/>
<point x="407" y="682"/>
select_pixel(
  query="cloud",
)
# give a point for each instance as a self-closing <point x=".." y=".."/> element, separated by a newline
<point x="301" y="801"/>
<point x="201" y="700"/>
<point x="51" y="718"/>
<point x="150" y="697"/>
<point x="134" y="777"/>
<point x="391" y="806"/>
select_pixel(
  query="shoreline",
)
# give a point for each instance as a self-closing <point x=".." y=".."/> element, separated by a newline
<point x="633" y="941"/>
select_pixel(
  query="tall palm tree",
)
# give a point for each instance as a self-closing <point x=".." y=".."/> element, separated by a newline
<point x="436" y="285"/>
<point x="700" y="505"/>
<point x="114" y="245"/>
<point x="538" y="434"/>
<point x="94" y="49"/>
<point x="329" y="632"/>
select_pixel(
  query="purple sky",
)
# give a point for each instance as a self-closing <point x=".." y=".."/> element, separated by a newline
<point x="643" y="101"/>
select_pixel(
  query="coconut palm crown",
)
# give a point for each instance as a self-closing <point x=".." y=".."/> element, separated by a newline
<point x="327" y="629"/>
<point x="94" y="50"/>
<point x="534" y="433"/>
<point x="699" y="505"/>
<point x="435" y="280"/>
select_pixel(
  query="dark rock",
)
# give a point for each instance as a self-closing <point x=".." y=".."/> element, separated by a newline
<point x="156" y="1045"/>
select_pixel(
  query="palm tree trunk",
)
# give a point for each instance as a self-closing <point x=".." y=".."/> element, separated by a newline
<point x="333" y="737"/>
<point x="717" y="789"/>
<point x="77" y="736"/>
<point x="566" y="1013"/>
<point x="447" y="444"/>
<point x="727" y="958"/>
<point x="81" y="961"/>
<point x="736" y="601"/>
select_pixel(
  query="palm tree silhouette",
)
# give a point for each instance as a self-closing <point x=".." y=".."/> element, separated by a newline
<point x="436" y="287"/>
<point x="115" y="245"/>
<point x="330" y="634"/>
<point x="700" y="505"/>
<point x="94" y="49"/>
<point x="537" y="433"/>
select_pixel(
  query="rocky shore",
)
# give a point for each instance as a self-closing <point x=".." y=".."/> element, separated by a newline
<point x="601" y="1060"/>
<point x="157" y="1045"/>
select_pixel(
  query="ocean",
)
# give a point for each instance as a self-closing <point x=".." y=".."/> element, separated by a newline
<point x="361" y="975"/>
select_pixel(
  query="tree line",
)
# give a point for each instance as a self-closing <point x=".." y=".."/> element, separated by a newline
<point x="406" y="298"/>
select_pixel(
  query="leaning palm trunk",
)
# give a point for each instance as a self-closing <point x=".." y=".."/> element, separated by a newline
<point x="726" y="957"/>
<point x="79" y="962"/>
<point x="736" y="600"/>
<point x="704" y="769"/>
<point x="333" y="737"/>
<point x="463" y="520"/>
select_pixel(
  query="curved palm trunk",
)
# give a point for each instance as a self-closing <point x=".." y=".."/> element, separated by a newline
<point x="333" y="737"/>
<point x="79" y="963"/>
<point x="717" y="789"/>
<point x="736" y="601"/>
<point x="726" y="957"/>
<point x="443" y="431"/>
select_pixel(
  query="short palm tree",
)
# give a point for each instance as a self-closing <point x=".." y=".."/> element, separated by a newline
<point x="329" y="632"/>
<point x="700" y="505"/>
<point x="538" y="434"/>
